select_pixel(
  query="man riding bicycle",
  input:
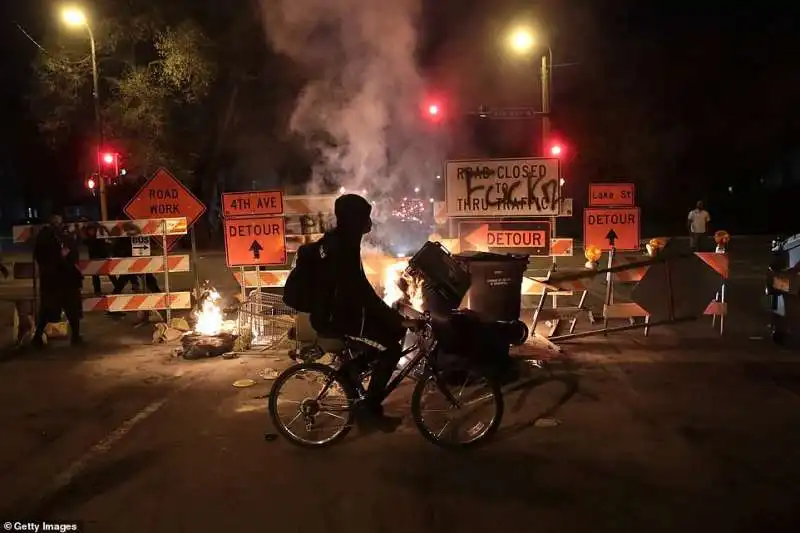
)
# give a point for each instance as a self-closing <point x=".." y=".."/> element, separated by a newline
<point x="354" y="309"/>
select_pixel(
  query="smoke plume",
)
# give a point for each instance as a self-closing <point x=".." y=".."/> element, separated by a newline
<point x="360" y="110"/>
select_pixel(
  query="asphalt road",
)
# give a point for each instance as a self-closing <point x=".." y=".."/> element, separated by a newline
<point x="679" y="432"/>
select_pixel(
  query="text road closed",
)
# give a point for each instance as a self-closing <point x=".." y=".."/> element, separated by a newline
<point x="621" y="225"/>
<point x="255" y="241"/>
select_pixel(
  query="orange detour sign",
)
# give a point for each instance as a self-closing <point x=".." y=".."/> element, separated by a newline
<point x="255" y="241"/>
<point x="163" y="196"/>
<point x="611" y="195"/>
<point x="532" y="238"/>
<point x="252" y="203"/>
<point x="612" y="227"/>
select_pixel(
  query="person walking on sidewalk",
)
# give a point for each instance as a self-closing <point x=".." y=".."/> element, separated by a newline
<point x="60" y="280"/>
<point x="698" y="226"/>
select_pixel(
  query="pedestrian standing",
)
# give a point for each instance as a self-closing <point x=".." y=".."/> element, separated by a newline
<point x="60" y="280"/>
<point x="98" y="248"/>
<point x="698" y="226"/>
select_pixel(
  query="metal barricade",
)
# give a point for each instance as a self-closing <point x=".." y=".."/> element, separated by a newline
<point x="265" y="319"/>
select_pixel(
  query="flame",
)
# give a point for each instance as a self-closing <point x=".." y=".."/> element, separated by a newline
<point x="209" y="319"/>
<point x="392" y="293"/>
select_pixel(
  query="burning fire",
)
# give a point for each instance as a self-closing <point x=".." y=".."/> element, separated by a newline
<point x="209" y="319"/>
<point x="392" y="292"/>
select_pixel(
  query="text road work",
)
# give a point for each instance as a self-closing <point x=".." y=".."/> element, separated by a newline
<point x="164" y="202"/>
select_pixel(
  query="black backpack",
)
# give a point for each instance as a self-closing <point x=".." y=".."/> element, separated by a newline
<point x="309" y="289"/>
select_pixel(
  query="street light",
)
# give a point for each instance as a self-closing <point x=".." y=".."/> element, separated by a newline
<point x="75" y="17"/>
<point x="522" y="42"/>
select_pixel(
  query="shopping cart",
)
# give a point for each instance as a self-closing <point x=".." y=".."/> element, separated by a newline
<point x="265" y="319"/>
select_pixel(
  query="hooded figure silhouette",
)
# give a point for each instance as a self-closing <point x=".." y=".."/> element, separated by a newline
<point x="356" y="310"/>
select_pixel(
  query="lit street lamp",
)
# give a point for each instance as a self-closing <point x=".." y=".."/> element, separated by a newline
<point x="521" y="41"/>
<point x="75" y="17"/>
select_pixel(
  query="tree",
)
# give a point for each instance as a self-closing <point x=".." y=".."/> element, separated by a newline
<point x="154" y="79"/>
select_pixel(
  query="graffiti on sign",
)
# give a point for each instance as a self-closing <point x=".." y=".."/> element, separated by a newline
<point x="503" y="187"/>
<point x="532" y="238"/>
<point x="255" y="241"/>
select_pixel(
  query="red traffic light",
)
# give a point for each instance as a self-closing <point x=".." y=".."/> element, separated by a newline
<point x="433" y="110"/>
<point x="556" y="150"/>
<point x="108" y="158"/>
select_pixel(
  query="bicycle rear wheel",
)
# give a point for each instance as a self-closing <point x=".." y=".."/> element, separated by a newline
<point x="314" y="395"/>
<point x="459" y="394"/>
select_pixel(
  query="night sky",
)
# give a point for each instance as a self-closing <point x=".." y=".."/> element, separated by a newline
<point x="691" y="99"/>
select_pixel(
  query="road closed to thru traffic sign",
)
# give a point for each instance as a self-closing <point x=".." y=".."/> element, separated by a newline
<point x="611" y="227"/>
<point x="255" y="241"/>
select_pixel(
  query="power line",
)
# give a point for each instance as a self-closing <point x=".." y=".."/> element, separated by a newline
<point x="45" y="51"/>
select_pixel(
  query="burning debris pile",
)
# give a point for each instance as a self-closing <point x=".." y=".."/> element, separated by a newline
<point x="212" y="335"/>
<point x="400" y="287"/>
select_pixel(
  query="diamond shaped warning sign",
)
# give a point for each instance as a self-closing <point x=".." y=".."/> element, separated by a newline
<point x="163" y="196"/>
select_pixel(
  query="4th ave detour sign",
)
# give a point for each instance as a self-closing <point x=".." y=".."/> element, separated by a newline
<point x="607" y="227"/>
<point x="255" y="241"/>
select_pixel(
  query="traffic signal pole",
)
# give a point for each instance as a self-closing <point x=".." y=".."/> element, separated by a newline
<point x="99" y="124"/>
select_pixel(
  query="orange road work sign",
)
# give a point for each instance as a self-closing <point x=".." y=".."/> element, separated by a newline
<point x="255" y="241"/>
<point x="532" y="238"/>
<point x="252" y="203"/>
<point x="163" y="196"/>
<point x="611" y="227"/>
<point x="611" y="195"/>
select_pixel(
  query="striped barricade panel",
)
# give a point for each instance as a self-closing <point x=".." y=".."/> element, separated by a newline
<point x="116" y="266"/>
<point x="266" y="279"/>
<point x="716" y="309"/>
<point x="623" y="310"/>
<point x="561" y="247"/>
<point x="139" y="302"/>
<point x="114" y="228"/>
<point x="719" y="262"/>
<point x="633" y="275"/>
<point x="533" y="286"/>
<point x="308" y="204"/>
<point x="134" y="265"/>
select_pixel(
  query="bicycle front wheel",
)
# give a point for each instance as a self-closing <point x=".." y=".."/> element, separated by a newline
<point x="311" y="405"/>
<point x="458" y="408"/>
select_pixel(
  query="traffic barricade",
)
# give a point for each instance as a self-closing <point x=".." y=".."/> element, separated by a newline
<point x="675" y="286"/>
<point x="163" y="228"/>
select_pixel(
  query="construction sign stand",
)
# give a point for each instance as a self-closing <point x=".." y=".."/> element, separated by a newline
<point x="159" y="227"/>
<point x="164" y="195"/>
<point x="255" y="236"/>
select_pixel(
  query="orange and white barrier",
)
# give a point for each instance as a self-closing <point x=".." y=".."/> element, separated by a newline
<point x="134" y="265"/>
<point x="139" y="302"/>
<point x="561" y="247"/>
<point x="308" y="204"/>
<point x="155" y="227"/>
<point x="265" y="278"/>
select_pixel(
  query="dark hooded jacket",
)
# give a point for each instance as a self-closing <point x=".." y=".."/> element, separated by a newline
<point x="355" y="307"/>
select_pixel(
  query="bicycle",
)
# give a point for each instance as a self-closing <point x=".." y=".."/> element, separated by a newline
<point x="345" y="384"/>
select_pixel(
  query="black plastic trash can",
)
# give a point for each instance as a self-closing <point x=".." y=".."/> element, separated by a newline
<point x="445" y="279"/>
<point x="495" y="291"/>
